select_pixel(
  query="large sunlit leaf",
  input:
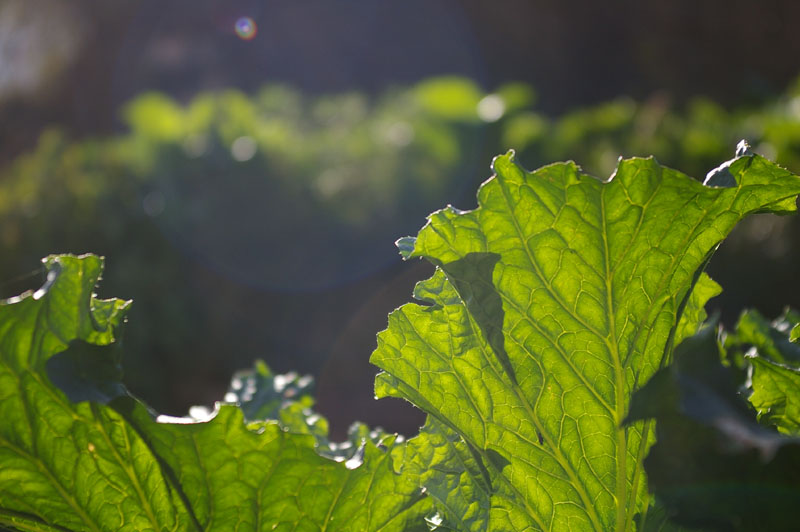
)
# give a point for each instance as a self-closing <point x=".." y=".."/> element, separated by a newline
<point x="78" y="453"/>
<point x="553" y="301"/>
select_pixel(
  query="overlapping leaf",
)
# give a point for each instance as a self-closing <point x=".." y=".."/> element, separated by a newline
<point x="76" y="466"/>
<point x="775" y="361"/>
<point x="553" y="301"/>
<point x="86" y="456"/>
<point x="771" y="339"/>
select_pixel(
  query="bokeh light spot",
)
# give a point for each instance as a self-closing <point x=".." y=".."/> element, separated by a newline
<point x="245" y="28"/>
<point x="491" y="108"/>
<point x="243" y="149"/>
<point x="399" y="134"/>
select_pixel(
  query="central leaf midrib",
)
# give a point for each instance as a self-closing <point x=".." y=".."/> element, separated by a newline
<point x="627" y="511"/>
<point x="565" y="464"/>
<point x="626" y="507"/>
<point x="555" y="453"/>
<point x="622" y="437"/>
<point x="647" y="427"/>
<point x="647" y="424"/>
<point x="623" y="505"/>
<point x="533" y="323"/>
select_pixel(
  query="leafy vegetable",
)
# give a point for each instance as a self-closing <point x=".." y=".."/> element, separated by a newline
<point x="346" y="171"/>
<point x="106" y="464"/>
<point x="553" y="301"/>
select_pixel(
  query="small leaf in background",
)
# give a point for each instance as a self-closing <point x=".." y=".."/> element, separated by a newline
<point x="771" y="339"/>
<point x="452" y="97"/>
<point x="775" y="364"/>
<point x="776" y="394"/>
<point x="713" y="466"/>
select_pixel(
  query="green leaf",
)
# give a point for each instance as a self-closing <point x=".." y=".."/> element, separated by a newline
<point x="553" y="301"/>
<point x="776" y="394"/>
<point x="694" y="313"/>
<point x="452" y="475"/>
<point x="78" y="453"/>
<point x="713" y="465"/>
<point x="261" y="394"/>
<point x="75" y="465"/>
<point x="287" y="398"/>
<point x="775" y="362"/>
<point x="258" y="477"/>
<point x="770" y="339"/>
<point x="449" y="97"/>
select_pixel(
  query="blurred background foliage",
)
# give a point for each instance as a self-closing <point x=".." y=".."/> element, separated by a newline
<point x="247" y="189"/>
<point x="300" y="195"/>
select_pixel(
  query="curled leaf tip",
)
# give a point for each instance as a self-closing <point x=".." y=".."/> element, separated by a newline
<point x="406" y="246"/>
<point x="721" y="176"/>
<point x="743" y="148"/>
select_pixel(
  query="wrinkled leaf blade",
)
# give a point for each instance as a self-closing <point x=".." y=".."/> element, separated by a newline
<point x="554" y="300"/>
<point x="259" y="477"/>
<point x="78" y="466"/>
<point x="106" y="464"/>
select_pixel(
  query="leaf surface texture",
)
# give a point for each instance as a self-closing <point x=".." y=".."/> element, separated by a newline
<point x="553" y="301"/>
<point x="103" y="463"/>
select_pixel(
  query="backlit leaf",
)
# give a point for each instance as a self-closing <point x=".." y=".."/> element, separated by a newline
<point x="553" y="301"/>
<point x="78" y="453"/>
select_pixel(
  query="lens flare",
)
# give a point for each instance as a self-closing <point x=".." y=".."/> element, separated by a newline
<point x="245" y="28"/>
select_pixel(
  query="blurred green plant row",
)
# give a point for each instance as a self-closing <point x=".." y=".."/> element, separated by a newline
<point x="348" y="169"/>
<point x="357" y="157"/>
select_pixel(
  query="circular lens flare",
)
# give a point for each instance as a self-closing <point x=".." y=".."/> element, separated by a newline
<point x="245" y="28"/>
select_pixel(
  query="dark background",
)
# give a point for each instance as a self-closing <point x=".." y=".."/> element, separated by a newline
<point x="574" y="52"/>
<point x="75" y="66"/>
